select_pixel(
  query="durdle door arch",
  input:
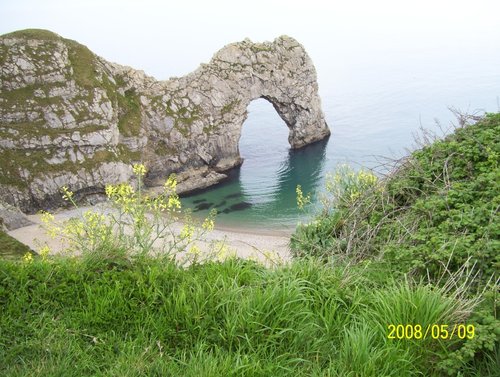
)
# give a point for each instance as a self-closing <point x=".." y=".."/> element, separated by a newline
<point x="70" y="118"/>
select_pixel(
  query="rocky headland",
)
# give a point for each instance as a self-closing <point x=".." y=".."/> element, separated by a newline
<point x="70" y="118"/>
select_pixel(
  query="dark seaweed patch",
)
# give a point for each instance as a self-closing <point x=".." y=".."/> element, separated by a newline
<point x="241" y="206"/>
<point x="235" y="195"/>
<point x="221" y="204"/>
<point x="203" y="206"/>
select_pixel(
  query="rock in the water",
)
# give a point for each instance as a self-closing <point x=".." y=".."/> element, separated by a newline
<point x="238" y="207"/>
<point x="203" y="206"/>
<point x="69" y="117"/>
<point x="231" y="196"/>
<point x="221" y="204"/>
<point x="197" y="201"/>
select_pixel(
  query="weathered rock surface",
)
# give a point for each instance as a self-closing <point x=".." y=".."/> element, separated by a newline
<point x="12" y="218"/>
<point x="68" y="117"/>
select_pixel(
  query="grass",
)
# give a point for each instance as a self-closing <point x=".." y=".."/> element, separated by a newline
<point x="11" y="248"/>
<point x="130" y="117"/>
<point x="415" y="248"/>
<point x="65" y="317"/>
<point x="41" y="34"/>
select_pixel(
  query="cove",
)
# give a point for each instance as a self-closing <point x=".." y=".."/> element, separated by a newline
<point x="260" y="194"/>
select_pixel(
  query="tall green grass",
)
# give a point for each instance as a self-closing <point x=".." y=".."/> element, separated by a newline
<point x="236" y="318"/>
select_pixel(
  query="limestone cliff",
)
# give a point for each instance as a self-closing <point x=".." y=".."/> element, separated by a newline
<point x="69" y="117"/>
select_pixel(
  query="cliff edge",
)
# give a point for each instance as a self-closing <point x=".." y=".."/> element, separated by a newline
<point x="69" y="117"/>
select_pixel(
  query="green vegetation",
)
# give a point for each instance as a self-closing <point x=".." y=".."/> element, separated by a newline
<point x="162" y="148"/>
<point x="415" y="248"/>
<point x="182" y="117"/>
<point x="41" y="34"/>
<point x="130" y="109"/>
<point x="229" y="107"/>
<point x="83" y="62"/>
<point x="11" y="248"/>
<point x="436" y="212"/>
<point x="434" y="219"/>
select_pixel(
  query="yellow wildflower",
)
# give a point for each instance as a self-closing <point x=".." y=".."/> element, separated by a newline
<point x="44" y="252"/>
<point x="139" y="170"/>
<point x="47" y="217"/>
<point x="194" y="250"/>
<point x="110" y="190"/>
<point x="301" y="199"/>
<point x="208" y="224"/>
<point x="67" y="194"/>
<point x="173" y="202"/>
<point x="366" y="178"/>
<point x="73" y="227"/>
<point x="124" y="189"/>
<point x="354" y="195"/>
<point x="187" y="232"/>
<point x="27" y="258"/>
<point x="171" y="183"/>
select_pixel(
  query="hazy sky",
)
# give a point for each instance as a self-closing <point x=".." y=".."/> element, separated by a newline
<point x="171" y="38"/>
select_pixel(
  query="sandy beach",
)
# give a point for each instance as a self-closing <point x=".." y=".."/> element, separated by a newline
<point x="267" y="246"/>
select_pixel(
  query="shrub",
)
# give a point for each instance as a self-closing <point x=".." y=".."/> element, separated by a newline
<point x="326" y="235"/>
<point x="434" y="218"/>
<point x="436" y="212"/>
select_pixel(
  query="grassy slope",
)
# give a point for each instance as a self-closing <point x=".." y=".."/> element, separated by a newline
<point x="10" y="247"/>
<point x="68" y="317"/>
<point x="439" y="207"/>
<point x="234" y="318"/>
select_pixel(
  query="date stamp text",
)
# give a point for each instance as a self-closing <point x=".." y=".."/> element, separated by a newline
<point x="435" y="331"/>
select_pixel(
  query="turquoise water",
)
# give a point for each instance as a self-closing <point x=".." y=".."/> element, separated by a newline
<point x="261" y="194"/>
<point x="374" y="108"/>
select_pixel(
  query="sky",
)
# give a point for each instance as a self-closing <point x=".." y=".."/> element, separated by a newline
<point x="171" y="38"/>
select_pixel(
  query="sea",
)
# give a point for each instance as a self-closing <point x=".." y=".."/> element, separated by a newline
<point x="377" y="109"/>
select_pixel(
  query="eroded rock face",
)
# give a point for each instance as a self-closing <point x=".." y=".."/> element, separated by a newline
<point x="68" y="117"/>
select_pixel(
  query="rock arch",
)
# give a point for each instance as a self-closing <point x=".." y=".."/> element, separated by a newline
<point x="70" y="118"/>
<point x="219" y="93"/>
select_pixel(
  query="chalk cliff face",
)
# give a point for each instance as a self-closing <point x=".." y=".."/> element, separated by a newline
<point x="68" y="117"/>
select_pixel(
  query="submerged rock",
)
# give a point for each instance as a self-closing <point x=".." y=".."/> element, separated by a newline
<point x="241" y="206"/>
<point x="203" y="206"/>
<point x="231" y="196"/>
<point x="70" y="118"/>
<point x="221" y="204"/>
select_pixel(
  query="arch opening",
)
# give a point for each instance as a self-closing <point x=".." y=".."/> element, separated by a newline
<point x="264" y="147"/>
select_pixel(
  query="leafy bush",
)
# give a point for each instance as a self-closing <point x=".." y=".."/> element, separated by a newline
<point x="433" y="214"/>
<point x="326" y="232"/>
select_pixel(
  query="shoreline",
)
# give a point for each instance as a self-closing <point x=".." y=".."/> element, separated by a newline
<point x="254" y="231"/>
<point x="265" y="245"/>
